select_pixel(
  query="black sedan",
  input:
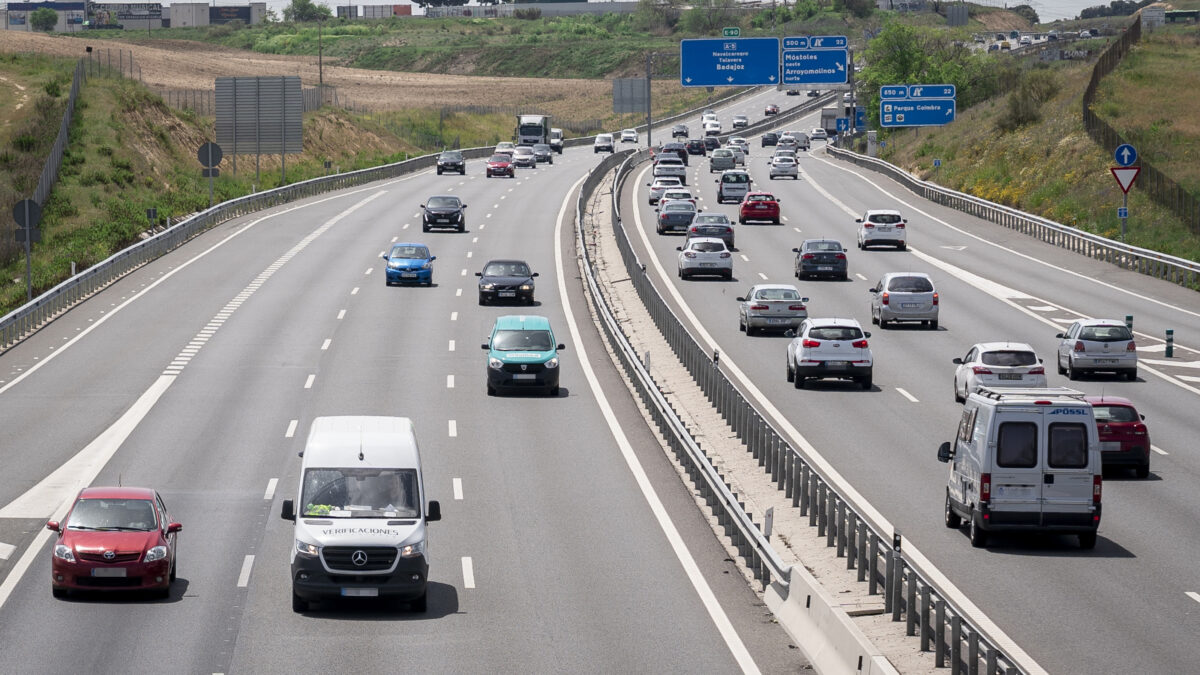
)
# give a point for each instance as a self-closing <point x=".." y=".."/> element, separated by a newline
<point x="711" y="143"/>
<point x="770" y="138"/>
<point x="542" y="152"/>
<point x="695" y="146"/>
<point x="680" y="130"/>
<point x="821" y="258"/>
<point x="451" y="160"/>
<point x="444" y="211"/>
<point x="506" y="280"/>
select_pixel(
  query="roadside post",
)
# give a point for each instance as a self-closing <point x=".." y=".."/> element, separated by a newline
<point x="1170" y="343"/>
<point x="1126" y="173"/>
<point x="28" y="213"/>
<point x="209" y="155"/>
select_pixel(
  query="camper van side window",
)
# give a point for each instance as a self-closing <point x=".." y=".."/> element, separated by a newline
<point x="966" y="425"/>
<point x="1068" y="446"/>
<point x="1017" y="445"/>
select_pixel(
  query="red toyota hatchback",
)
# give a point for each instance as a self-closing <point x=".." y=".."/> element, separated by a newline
<point x="1124" y="439"/>
<point x="759" y="206"/>
<point x="114" y="538"/>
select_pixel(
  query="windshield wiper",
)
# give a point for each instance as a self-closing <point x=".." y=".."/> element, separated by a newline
<point x="122" y="528"/>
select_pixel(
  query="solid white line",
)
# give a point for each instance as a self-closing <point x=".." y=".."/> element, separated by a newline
<point x="270" y="493"/>
<point x="707" y="597"/>
<point x="1193" y="595"/>
<point x="309" y="382"/>
<point x="325" y="344"/>
<point x="451" y="346"/>
<point x="468" y="573"/>
<point x="291" y="430"/>
<point x="458" y="495"/>
<point x="453" y="428"/>
<point x="454" y="316"/>
<point x="6" y="550"/>
<point x="1159" y="450"/>
<point x="244" y="576"/>
<point x="449" y="381"/>
<point x="907" y="395"/>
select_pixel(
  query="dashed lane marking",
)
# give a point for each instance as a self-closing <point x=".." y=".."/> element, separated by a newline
<point x="291" y="430"/>
<point x="458" y="493"/>
<point x="244" y="576"/>
<point x="270" y="493"/>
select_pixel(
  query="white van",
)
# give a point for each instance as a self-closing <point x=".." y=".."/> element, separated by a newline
<point x="1027" y="460"/>
<point x="360" y="528"/>
<point x="733" y="186"/>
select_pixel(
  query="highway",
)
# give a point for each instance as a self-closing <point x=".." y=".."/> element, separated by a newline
<point x="199" y="374"/>
<point x="1130" y="605"/>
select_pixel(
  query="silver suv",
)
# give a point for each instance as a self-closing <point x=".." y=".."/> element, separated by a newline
<point x="1093" y="345"/>
<point x="904" y="296"/>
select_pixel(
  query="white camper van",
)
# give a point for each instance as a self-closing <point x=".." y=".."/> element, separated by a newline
<point x="359" y="513"/>
<point x="1025" y="460"/>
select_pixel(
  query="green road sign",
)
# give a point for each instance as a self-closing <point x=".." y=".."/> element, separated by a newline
<point x="732" y="31"/>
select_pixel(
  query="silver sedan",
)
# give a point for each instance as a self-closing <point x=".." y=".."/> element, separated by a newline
<point x="771" y="307"/>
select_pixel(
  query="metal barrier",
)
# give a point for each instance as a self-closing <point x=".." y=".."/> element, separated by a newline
<point x="1159" y="265"/>
<point x="875" y="553"/>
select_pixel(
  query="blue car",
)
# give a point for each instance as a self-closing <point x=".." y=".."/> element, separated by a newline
<point x="409" y="264"/>
<point x="522" y="354"/>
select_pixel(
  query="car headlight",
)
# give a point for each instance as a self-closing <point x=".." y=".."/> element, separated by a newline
<point x="427" y="265"/>
<point x="495" y="363"/>
<point x="156" y="553"/>
<point x="413" y="550"/>
<point x="486" y="287"/>
<point x="552" y="363"/>
<point x="393" y="264"/>
<point x="527" y="287"/>
<point x="307" y="550"/>
<point x="63" y="552"/>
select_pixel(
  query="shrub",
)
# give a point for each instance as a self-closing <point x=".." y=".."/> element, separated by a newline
<point x="528" y="14"/>
<point x="1025" y="104"/>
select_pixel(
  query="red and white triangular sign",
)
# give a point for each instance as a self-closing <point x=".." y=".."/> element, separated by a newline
<point x="1125" y="176"/>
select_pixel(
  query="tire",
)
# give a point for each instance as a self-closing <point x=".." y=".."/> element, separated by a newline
<point x="933" y="325"/>
<point x="953" y="520"/>
<point x="462" y="227"/>
<point x="174" y="566"/>
<point x="463" y="172"/>
<point x="1131" y="375"/>
<point x="553" y="392"/>
<point x="845" y="276"/>
<point x="491" y="391"/>
<point x="866" y="383"/>
<point x="299" y="604"/>
<point x="957" y="398"/>
<point x="901" y="247"/>
<point x="750" y="330"/>
<point x="798" y="381"/>
<point x="1058" y="364"/>
<point x="791" y="375"/>
<point x="439" y="172"/>
<point x="978" y="535"/>
<point x="421" y="604"/>
<point x="883" y="324"/>
<point x="1142" y="470"/>
<point x="1087" y="541"/>
<point x="1072" y="374"/>
<point x="729" y="276"/>
<point x="482" y="300"/>
<point x="424" y="227"/>
<point x="742" y="328"/>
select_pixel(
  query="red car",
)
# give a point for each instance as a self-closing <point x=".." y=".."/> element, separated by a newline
<point x="1124" y="439"/>
<point x="114" y="538"/>
<point x="500" y="165"/>
<point x="759" y="206"/>
<point x="771" y="109"/>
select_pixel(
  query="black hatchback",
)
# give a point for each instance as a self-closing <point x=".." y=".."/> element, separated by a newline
<point x="444" y="211"/>
<point x="679" y="149"/>
<point x="680" y="130"/>
<point x="695" y="146"/>
<point x="451" y="160"/>
<point x="821" y="258"/>
<point x="770" y="138"/>
<point x="711" y="143"/>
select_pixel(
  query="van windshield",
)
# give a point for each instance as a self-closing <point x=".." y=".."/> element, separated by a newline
<point x="522" y="341"/>
<point x="735" y="178"/>
<point x="360" y="493"/>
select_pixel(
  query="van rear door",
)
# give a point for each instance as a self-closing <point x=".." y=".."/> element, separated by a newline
<point x="1016" y="469"/>
<point x="1067" y="480"/>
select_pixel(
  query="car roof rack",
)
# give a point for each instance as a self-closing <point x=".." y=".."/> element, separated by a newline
<point x="1001" y="393"/>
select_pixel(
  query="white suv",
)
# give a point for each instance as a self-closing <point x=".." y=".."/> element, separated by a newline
<point x="882" y="227"/>
<point x="629" y="136"/>
<point x="830" y="348"/>
<point x="705" y="255"/>
<point x="1094" y="345"/>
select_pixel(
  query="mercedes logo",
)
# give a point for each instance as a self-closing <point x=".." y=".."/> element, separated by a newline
<point x="359" y="558"/>
<point x="109" y="555"/>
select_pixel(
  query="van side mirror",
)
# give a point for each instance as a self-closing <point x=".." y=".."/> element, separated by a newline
<point x="945" y="454"/>
<point x="174" y="527"/>
<point x="434" y="512"/>
<point x="53" y="526"/>
<point x="483" y="346"/>
<point x="289" y="511"/>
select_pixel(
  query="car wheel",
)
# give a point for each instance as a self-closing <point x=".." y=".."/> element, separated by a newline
<point x="953" y="520"/>
<point x="979" y="537"/>
<point x="958" y="398"/>
<point x="845" y="276"/>
<point x="59" y="593"/>
<point x="424" y="227"/>
<point x="430" y="282"/>
<point x="901" y="247"/>
<point x="174" y="565"/>
<point x="554" y="391"/>
<point x="1072" y="374"/>
<point x="791" y="374"/>
<point x="421" y="604"/>
<point x="798" y="381"/>
<point x="1142" y="470"/>
<point x="729" y="275"/>
<point x="1058" y="364"/>
<point x="882" y="322"/>
<point x="439" y="172"/>
<point x="463" y="172"/>
<point x="866" y="383"/>
<point x="491" y="391"/>
<point x="482" y="299"/>
<point x="299" y="604"/>
<point x="742" y="327"/>
<point x="933" y="325"/>
<point x="1131" y="375"/>
<point x="860" y="245"/>
<point x="1087" y="541"/>
<point x="462" y="227"/>
<point x="750" y="330"/>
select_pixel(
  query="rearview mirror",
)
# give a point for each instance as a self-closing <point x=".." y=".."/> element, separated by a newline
<point x="534" y="274"/>
<point x="866" y="333"/>
<point x="957" y="360"/>
<point x="795" y="250"/>
<point x="434" y="512"/>
<point x="289" y="510"/>
<point x="383" y="255"/>
<point x="858" y="220"/>
<point x="872" y="290"/>
<point x="53" y="526"/>
<point x="432" y="258"/>
<point x="174" y="527"/>
<point x="479" y="274"/>
<point x="678" y="248"/>
<point x="741" y="299"/>
<point x="790" y="332"/>
<point x="561" y="347"/>
<point x="804" y="300"/>
<point x="483" y="346"/>
<point x="944" y="452"/>
<point x="1060" y="335"/>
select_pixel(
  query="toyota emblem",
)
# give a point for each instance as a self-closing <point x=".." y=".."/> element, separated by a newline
<point x="359" y="558"/>
<point x="109" y="555"/>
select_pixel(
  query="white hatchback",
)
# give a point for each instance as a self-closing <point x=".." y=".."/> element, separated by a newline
<point x="997" y="364"/>
<point x="1092" y="345"/>
<point x="661" y="185"/>
<point x="784" y="166"/>
<point x="629" y="136"/>
<point x="830" y="348"/>
<point x="882" y="227"/>
<point x="705" y="255"/>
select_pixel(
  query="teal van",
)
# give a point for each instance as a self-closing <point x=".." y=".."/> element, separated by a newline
<point x="522" y="354"/>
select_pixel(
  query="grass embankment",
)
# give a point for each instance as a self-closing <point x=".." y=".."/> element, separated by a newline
<point x="1049" y="167"/>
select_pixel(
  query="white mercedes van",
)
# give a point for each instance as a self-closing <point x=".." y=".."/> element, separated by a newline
<point x="1025" y="460"/>
<point x="360" y="522"/>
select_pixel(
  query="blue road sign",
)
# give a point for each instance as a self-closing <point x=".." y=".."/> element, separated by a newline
<point x="1122" y="212"/>
<point x="843" y="124"/>
<point x="926" y="91"/>
<point x="860" y="117"/>
<point x="893" y="91"/>
<point x="795" y="42"/>
<point x="927" y="113"/>
<point x="937" y="162"/>
<point x="814" y="66"/>
<point x="1125" y="155"/>
<point x="731" y="62"/>
<point x="828" y="42"/>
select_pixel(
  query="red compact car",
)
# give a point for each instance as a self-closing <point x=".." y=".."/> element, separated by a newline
<point x="114" y="538"/>
<point x="771" y="109"/>
<point x="500" y="165"/>
<point x="759" y="206"/>
<point x="1124" y="439"/>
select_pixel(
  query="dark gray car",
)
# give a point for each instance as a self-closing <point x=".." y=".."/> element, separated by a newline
<point x="675" y="216"/>
<point x="542" y="152"/>
<point x="443" y="211"/>
<point x="506" y="280"/>
<point x="713" y="225"/>
<point x="821" y="258"/>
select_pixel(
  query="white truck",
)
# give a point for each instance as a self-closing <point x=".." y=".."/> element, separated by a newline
<point x="556" y="140"/>
<point x="829" y="117"/>
<point x="532" y="129"/>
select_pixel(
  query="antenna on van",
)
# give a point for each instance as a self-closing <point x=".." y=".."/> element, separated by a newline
<point x="360" y="449"/>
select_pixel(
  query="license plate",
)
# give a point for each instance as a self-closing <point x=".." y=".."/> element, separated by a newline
<point x="508" y="294"/>
<point x="1014" y="491"/>
<point x="762" y="207"/>
<point x="1110" y="446"/>
<point x="708" y="264"/>
<point x="524" y="376"/>
<point x="360" y="592"/>
<point x="779" y="320"/>
<point x="108" y="571"/>
<point x="836" y="364"/>
<point x="1106" y="362"/>
<point x="885" y="229"/>
<point x="1010" y="376"/>
<point x="910" y="305"/>
<point x="824" y="269"/>
<point x="408" y="275"/>
<point x="443" y="220"/>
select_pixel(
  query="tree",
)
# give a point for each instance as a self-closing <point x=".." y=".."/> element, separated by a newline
<point x="708" y="16"/>
<point x="44" y="19"/>
<point x="1028" y="13"/>
<point x="305" y="10"/>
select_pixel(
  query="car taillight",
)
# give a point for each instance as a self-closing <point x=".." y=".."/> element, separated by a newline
<point x="985" y="487"/>
<point x="1037" y="371"/>
<point x="980" y="370"/>
<point x="729" y="230"/>
<point x="689" y="254"/>
<point x="935" y="299"/>
<point x="725" y="254"/>
<point x="1139" y="430"/>
<point x="900" y="226"/>
<point x="759" y="307"/>
<point x="869" y="225"/>
<point x="662" y="217"/>
<point x="810" y="343"/>
<point x="807" y="256"/>
<point x="840" y="256"/>
<point x="1097" y="481"/>
<point x="1131" y="347"/>
<point x="883" y="299"/>
<point x="859" y="344"/>
<point x="1078" y="346"/>
<point x="796" y="308"/>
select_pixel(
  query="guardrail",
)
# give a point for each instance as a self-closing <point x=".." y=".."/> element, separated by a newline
<point x="905" y="579"/>
<point x="1152" y="263"/>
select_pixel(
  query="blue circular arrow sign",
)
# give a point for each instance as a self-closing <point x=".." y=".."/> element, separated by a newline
<point x="1126" y="155"/>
